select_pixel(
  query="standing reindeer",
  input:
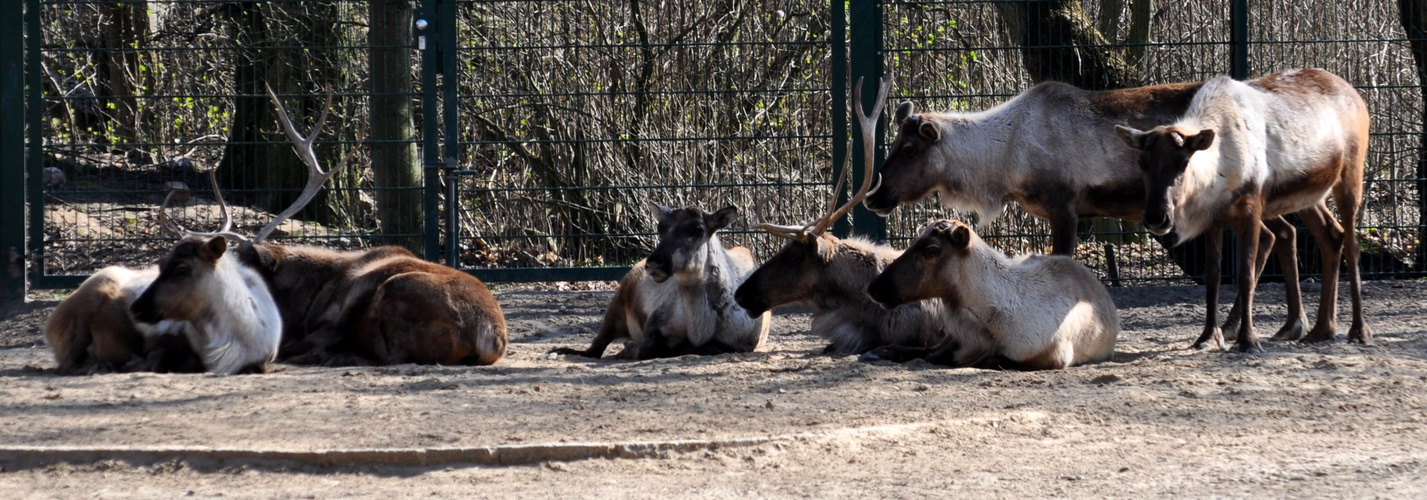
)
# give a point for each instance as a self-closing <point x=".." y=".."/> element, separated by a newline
<point x="379" y="306"/>
<point x="831" y="274"/>
<point x="1052" y="150"/>
<point x="679" y="300"/>
<point x="1248" y="150"/>
<point x="1033" y="312"/>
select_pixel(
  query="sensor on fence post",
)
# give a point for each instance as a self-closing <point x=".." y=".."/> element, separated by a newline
<point x="421" y="25"/>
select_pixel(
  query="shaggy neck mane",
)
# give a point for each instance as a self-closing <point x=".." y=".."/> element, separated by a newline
<point x="233" y="316"/>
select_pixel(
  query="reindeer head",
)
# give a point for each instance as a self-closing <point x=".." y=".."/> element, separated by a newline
<point x="913" y="155"/>
<point x="791" y="275"/>
<point x="684" y="236"/>
<point x="788" y="277"/>
<point x="920" y="273"/>
<point x="1164" y="156"/>
<point x="186" y="280"/>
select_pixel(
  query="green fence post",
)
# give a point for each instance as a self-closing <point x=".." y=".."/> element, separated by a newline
<point x="427" y="33"/>
<point x="838" y="41"/>
<point x="12" y="155"/>
<point x="1239" y="39"/>
<point x="451" y="125"/>
<point x="866" y="63"/>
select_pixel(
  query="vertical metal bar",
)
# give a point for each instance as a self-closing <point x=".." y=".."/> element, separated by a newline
<point x="1239" y="39"/>
<point x="866" y="63"/>
<point x="12" y="156"/>
<point x="838" y="88"/>
<point x="450" y="84"/>
<point x="426" y="34"/>
<point x="35" y="153"/>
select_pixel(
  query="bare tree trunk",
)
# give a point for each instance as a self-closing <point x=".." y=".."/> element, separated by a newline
<point x="1413" y="15"/>
<point x="120" y="74"/>
<point x="259" y="157"/>
<point x="1059" y="42"/>
<point x="396" y="169"/>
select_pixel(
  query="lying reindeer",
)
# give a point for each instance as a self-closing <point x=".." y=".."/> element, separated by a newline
<point x="831" y="274"/>
<point x="1033" y="312"/>
<point x="679" y="300"/>
<point x="379" y="306"/>
<point x="91" y="331"/>
<point x="1262" y="148"/>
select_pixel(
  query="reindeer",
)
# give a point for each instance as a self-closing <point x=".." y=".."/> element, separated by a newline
<point x="679" y="300"/>
<point x="379" y="306"/>
<point x="1050" y="150"/>
<point x="91" y="331"/>
<point x="1033" y="312"/>
<point x="831" y="274"/>
<point x="1248" y="150"/>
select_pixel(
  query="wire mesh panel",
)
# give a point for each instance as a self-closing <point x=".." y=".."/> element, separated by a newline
<point x="578" y="114"/>
<point x="143" y="99"/>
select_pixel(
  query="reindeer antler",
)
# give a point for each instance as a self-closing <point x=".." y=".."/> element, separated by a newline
<point x="868" y="124"/>
<point x="790" y="232"/>
<point x="315" y="176"/>
<point x="226" y="231"/>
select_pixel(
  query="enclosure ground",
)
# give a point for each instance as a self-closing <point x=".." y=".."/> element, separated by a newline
<point x="1161" y="420"/>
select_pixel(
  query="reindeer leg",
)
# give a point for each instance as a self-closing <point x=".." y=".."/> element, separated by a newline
<point x="1285" y="248"/>
<point x="1214" y="239"/>
<point x="1349" y="196"/>
<point x="1330" y="243"/>
<point x="899" y="353"/>
<point x="1248" y="226"/>
<point x="1231" y="322"/>
<point x="1063" y="221"/>
<point x="615" y="325"/>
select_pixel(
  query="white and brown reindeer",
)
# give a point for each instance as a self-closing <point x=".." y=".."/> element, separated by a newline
<point x="1052" y="150"/>
<point x="679" y="300"/>
<point x="1033" y="312"/>
<point x="378" y="306"/>
<point x="1244" y="151"/>
<point x="830" y="274"/>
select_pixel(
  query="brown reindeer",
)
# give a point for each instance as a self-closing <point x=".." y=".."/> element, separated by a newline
<point x="679" y="300"/>
<point x="831" y="274"/>
<point x="1053" y="151"/>
<point x="379" y="306"/>
<point x="1033" y="312"/>
<point x="1248" y="150"/>
<point x="91" y="331"/>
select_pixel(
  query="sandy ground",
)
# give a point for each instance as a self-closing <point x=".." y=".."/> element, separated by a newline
<point x="1160" y="420"/>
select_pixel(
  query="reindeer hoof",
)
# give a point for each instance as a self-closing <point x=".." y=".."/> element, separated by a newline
<point x="1290" y="331"/>
<point x="868" y="357"/>
<point x="1360" y="336"/>
<point x="1317" y="336"/>
<point x="1211" y="334"/>
<point x="1248" y="348"/>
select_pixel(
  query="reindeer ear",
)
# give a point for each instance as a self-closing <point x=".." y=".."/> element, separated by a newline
<point x="661" y="212"/>
<point x="905" y="109"/>
<point x="1131" y="137"/>
<point x="1200" y="141"/>
<point x="960" y="236"/>
<point x="213" y="249"/>
<point x="721" y="219"/>
<point x="822" y="249"/>
<point x="929" y="132"/>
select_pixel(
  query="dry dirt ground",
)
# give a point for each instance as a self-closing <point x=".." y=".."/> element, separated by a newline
<point x="1159" y="421"/>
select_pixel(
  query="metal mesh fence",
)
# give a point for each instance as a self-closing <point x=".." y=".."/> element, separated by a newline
<point x="142" y="98"/>
<point x="569" y="117"/>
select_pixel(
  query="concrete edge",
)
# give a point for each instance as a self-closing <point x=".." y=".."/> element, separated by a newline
<point x="27" y="457"/>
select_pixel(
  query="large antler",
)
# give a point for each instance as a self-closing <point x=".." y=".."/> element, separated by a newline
<point x="868" y="124"/>
<point x="315" y="176"/>
<point x="174" y="229"/>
